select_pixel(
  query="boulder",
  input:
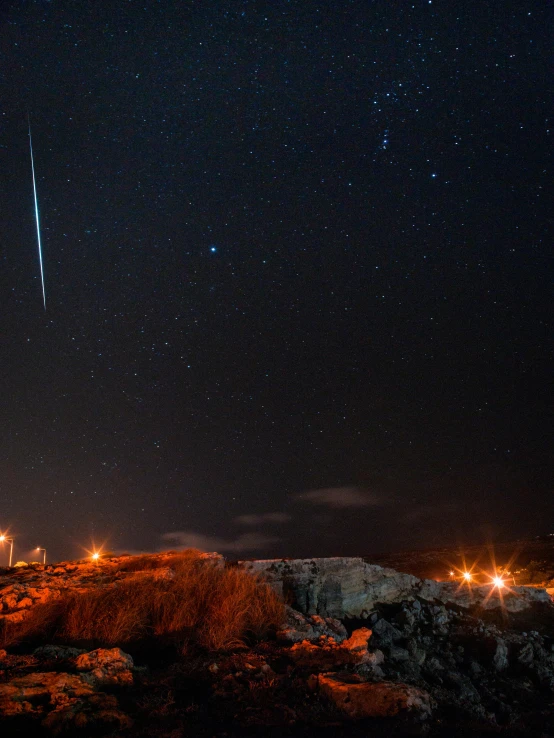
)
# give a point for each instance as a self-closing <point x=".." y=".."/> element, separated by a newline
<point x="107" y="666"/>
<point x="328" y="654"/>
<point x="57" y="653"/>
<point x="99" y="713"/>
<point x="500" y="658"/>
<point x="385" y="633"/>
<point x="360" y="699"/>
<point x="24" y="603"/>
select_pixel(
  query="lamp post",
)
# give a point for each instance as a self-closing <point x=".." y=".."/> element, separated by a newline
<point x="44" y="554"/>
<point x="9" y="540"/>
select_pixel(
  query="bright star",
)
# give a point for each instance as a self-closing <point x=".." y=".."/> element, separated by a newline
<point x="213" y="249"/>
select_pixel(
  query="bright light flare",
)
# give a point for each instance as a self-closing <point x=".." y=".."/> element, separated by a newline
<point x="95" y="556"/>
<point x="498" y="582"/>
<point x="467" y="576"/>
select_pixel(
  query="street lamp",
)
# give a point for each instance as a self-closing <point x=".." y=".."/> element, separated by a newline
<point x="9" y="540"/>
<point x="44" y="554"/>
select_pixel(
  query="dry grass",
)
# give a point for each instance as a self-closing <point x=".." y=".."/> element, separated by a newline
<point x="147" y="562"/>
<point x="200" y="605"/>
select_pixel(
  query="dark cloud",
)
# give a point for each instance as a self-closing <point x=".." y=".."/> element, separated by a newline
<point x="243" y="543"/>
<point x="272" y="517"/>
<point x="340" y="497"/>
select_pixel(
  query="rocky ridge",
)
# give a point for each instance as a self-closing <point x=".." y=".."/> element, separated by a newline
<point x="361" y="644"/>
<point x="351" y="588"/>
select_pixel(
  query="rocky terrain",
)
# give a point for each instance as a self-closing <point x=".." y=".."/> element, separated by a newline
<point x="361" y="650"/>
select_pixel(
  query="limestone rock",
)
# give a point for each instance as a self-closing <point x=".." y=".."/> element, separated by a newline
<point x="33" y="693"/>
<point x="328" y="654"/>
<point x="107" y="666"/>
<point x="385" y="633"/>
<point x="57" y="653"/>
<point x="24" y="603"/>
<point x="356" y="645"/>
<point x="500" y="658"/>
<point x="334" y="587"/>
<point x="299" y="627"/>
<point x="359" y="699"/>
<point x="343" y="587"/>
<point x="100" y="712"/>
<point x="65" y="701"/>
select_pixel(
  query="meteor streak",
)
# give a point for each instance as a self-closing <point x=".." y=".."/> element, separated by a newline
<point x="36" y="216"/>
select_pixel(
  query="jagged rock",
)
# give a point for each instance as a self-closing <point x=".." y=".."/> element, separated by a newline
<point x="398" y="654"/>
<point x="350" y="587"/>
<point x="29" y="693"/>
<point x="57" y="653"/>
<point x="526" y="655"/>
<point x="299" y="627"/>
<point x="9" y="600"/>
<point x="357" y="643"/>
<point x="334" y="587"/>
<point x="359" y="699"/>
<point x="328" y="654"/>
<point x="433" y="665"/>
<point x="100" y="712"/>
<point x="68" y="700"/>
<point x="107" y="666"/>
<point x="500" y="654"/>
<point x="406" y="618"/>
<point x="385" y="633"/>
<point x="24" y="603"/>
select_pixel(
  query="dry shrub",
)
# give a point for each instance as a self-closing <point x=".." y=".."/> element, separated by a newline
<point x="40" y="622"/>
<point x="201" y="605"/>
<point x="148" y="562"/>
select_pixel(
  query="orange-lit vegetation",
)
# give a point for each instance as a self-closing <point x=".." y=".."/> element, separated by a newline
<point x="148" y="562"/>
<point x="197" y="605"/>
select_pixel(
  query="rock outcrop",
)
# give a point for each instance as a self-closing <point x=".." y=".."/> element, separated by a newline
<point x="359" y="699"/>
<point x="67" y="701"/>
<point x="352" y="588"/>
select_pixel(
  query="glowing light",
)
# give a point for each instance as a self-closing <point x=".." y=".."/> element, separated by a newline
<point x="95" y="556"/>
<point x="467" y="576"/>
<point x="8" y="539"/>
<point x="451" y="573"/>
<point x="498" y="582"/>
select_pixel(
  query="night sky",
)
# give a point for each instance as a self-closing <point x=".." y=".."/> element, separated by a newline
<point x="298" y="267"/>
